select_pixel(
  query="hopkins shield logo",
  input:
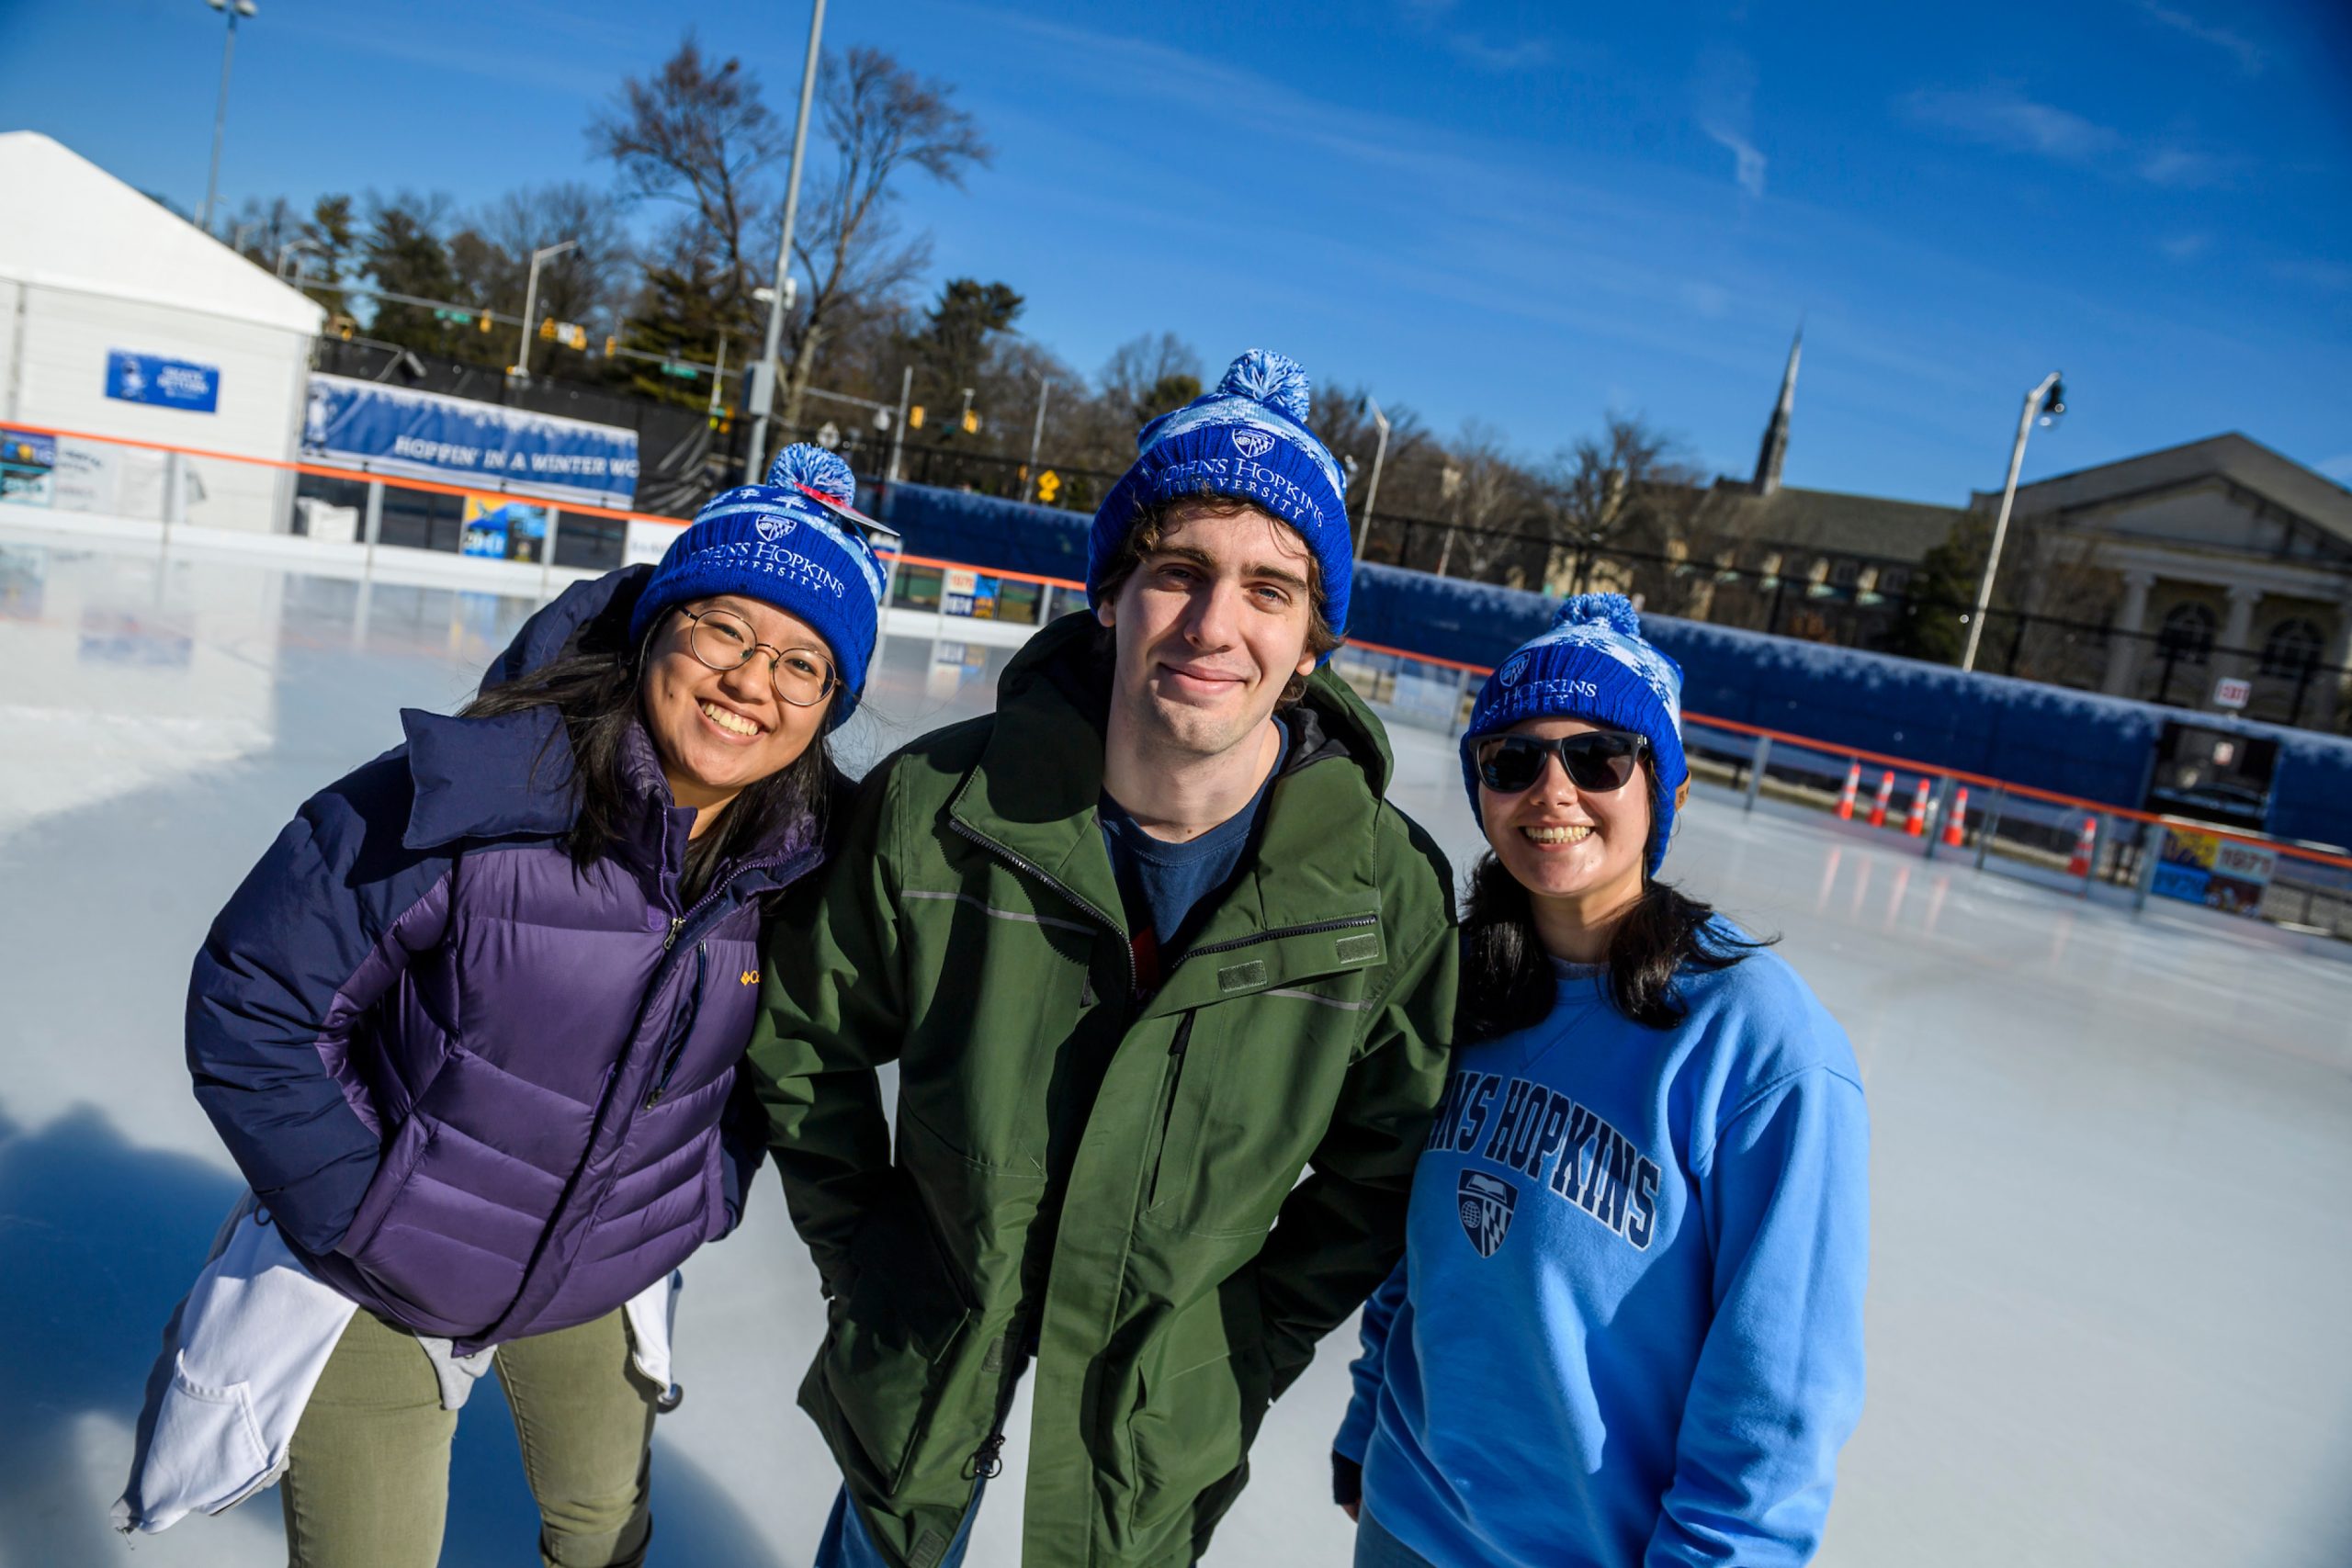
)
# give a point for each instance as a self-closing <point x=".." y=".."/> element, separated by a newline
<point x="1253" y="442"/>
<point x="1513" y="670"/>
<point x="773" y="528"/>
<point x="1485" y="1202"/>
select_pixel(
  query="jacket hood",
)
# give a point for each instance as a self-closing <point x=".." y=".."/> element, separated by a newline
<point x="601" y="605"/>
<point x="1329" y="720"/>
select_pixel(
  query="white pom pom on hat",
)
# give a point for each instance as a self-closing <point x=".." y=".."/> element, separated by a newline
<point x="1612" y="610"/>
<point x="804" y="466"/>
<point x="1274" y="380"/>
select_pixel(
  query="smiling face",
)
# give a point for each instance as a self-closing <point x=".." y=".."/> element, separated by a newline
<point x="1579" y="851"/>
<point x="719" y="731"/>
<point x="1210" y="626"/>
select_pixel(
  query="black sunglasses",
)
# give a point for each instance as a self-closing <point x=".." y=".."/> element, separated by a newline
<point x="1598" y="760"/>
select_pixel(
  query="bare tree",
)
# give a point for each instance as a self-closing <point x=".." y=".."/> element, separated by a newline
<point x="1489" y="502"/>
<point x="492" y="255"/>
<point x="881" y="120"/>
<point x="1147" y="375"/>
<point x="1630" y="494"/>
<point x="698" y="135"/>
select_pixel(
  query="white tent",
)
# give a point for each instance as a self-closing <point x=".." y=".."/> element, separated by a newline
<point x="120" y="318"/>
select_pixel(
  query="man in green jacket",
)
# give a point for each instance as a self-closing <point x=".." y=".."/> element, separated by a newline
<point x="1147" y="946"/>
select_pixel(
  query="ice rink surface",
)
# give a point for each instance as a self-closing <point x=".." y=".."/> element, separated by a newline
<point x="2112" y="1172"/>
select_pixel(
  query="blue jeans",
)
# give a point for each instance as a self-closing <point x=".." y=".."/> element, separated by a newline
<point x="847" y="1544"/>
<point x="1375" y="1548"/>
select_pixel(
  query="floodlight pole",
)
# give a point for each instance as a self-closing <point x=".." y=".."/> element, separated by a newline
<point x="763" y="377"/>
<point x="2001" y="523"/>
<point x="221" y="110"/>
<point x="1372" y="486"/>
<point x="1036" y="438"/>
<point x="522" y="371"/>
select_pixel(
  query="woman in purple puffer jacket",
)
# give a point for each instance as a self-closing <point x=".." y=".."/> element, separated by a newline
<point x="471" y="1029"/>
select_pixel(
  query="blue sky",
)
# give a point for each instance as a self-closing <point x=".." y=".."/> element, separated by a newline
<point x="1524" y="213"/>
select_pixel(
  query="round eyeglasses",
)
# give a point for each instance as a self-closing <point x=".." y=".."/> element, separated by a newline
<point x="1596" y="760"/>
<point x="724" y="640"/>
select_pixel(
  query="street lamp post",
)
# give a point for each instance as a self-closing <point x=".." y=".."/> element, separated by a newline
<point x="1036" y="438"/>
<point x="300" y="243"/>
<point x="763" y="380"/>
<point x="220" y="110"/>
<point x="522" y="370"/>
<point x="1372" y="486"/>
<point x="2049" y="388"/>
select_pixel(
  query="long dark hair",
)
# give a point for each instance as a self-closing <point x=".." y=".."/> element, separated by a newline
<point x="1507" y="981"/>
<point x="594" y="687"/>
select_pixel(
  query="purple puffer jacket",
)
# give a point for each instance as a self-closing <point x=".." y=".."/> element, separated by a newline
<point x="483" y="1093"/>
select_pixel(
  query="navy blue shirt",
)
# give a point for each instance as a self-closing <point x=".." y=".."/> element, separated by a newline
<point x="1163" y="882"/>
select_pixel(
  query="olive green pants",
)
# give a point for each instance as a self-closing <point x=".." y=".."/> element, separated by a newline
<point x="368" y="1481"/>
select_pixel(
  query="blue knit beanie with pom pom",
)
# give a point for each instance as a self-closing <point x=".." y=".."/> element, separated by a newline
<point x="796" y="542"/>
<point x="1248" y="439"/>
<point x="1595" y="665"/>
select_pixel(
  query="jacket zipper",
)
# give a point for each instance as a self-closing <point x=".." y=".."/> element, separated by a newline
<point x="1176" y="1050"/>
<point x="1126" y="949"/>
<point x="678" y="1044"/>
<point x="678" y="923"/>
<point x="1277" y="932"/>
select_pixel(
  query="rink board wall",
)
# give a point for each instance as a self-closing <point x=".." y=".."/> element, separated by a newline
<point x="2048" y="737"/>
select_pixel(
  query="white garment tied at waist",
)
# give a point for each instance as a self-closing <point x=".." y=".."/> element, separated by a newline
<point x="246" y="1349"/>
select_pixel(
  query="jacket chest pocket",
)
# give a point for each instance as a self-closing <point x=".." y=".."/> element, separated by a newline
<point x="710" y="1022"/>
<point x="1248" y="1087"/>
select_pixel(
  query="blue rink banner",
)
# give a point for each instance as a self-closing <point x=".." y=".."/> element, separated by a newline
<point x="167" y="383"/>
<point x="395" y="430"/>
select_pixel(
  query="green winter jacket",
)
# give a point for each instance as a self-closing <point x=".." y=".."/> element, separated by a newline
<point x="1119" y="1180"/>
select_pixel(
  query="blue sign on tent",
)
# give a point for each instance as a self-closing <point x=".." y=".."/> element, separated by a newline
<point x="485" y="445"/>
<point x="168" y="383"/>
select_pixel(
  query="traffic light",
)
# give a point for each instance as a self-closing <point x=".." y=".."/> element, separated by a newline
<point x="914" y="417"/>
<point x="547" y="328"/>
<point x="483" y="321"/>
<point x="971" y="421"/>
<point x="1050" y="484"/>
<point x="612" y="342"/>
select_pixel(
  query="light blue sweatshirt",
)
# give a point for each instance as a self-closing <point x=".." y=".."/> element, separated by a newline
<point x="1628" y="1328"/>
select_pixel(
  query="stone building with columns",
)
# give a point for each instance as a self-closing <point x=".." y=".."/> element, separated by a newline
<point x="2220" y="557"/>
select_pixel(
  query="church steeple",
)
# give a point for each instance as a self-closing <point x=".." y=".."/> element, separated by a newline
<point x="1775" y="450"/>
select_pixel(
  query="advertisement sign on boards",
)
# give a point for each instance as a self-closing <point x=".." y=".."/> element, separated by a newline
<point x="504" y="528"/>
<point x="397" y="430"/>
<point x="166" y="383"/>
<point x="2204" y="868"/>
<point x="28" y="463"/>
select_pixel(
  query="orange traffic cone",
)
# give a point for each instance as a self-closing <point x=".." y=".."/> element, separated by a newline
<point x="2085" y="844"/>
<point x="1916" y="825"/>
<point x="1886" y="793"/>
<point x="1845" y="796"/>
<point x="1959" y="817"/>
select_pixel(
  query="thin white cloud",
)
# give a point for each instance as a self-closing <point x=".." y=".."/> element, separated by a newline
<point x="1747" y="163"/>
<point x="2332" y="276"/>
<point x="2184" y="167"/>
<point x="2339" y="468"/>
<point x="1502" y="59"/>
<point x="2250" y="56"/>
<point x="2186" y="247"/>
<point x="1725" y="91"/>
<point x="2002" y="116"/>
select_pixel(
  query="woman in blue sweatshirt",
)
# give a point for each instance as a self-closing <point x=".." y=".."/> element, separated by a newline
<point x="1628" y="1328"/>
